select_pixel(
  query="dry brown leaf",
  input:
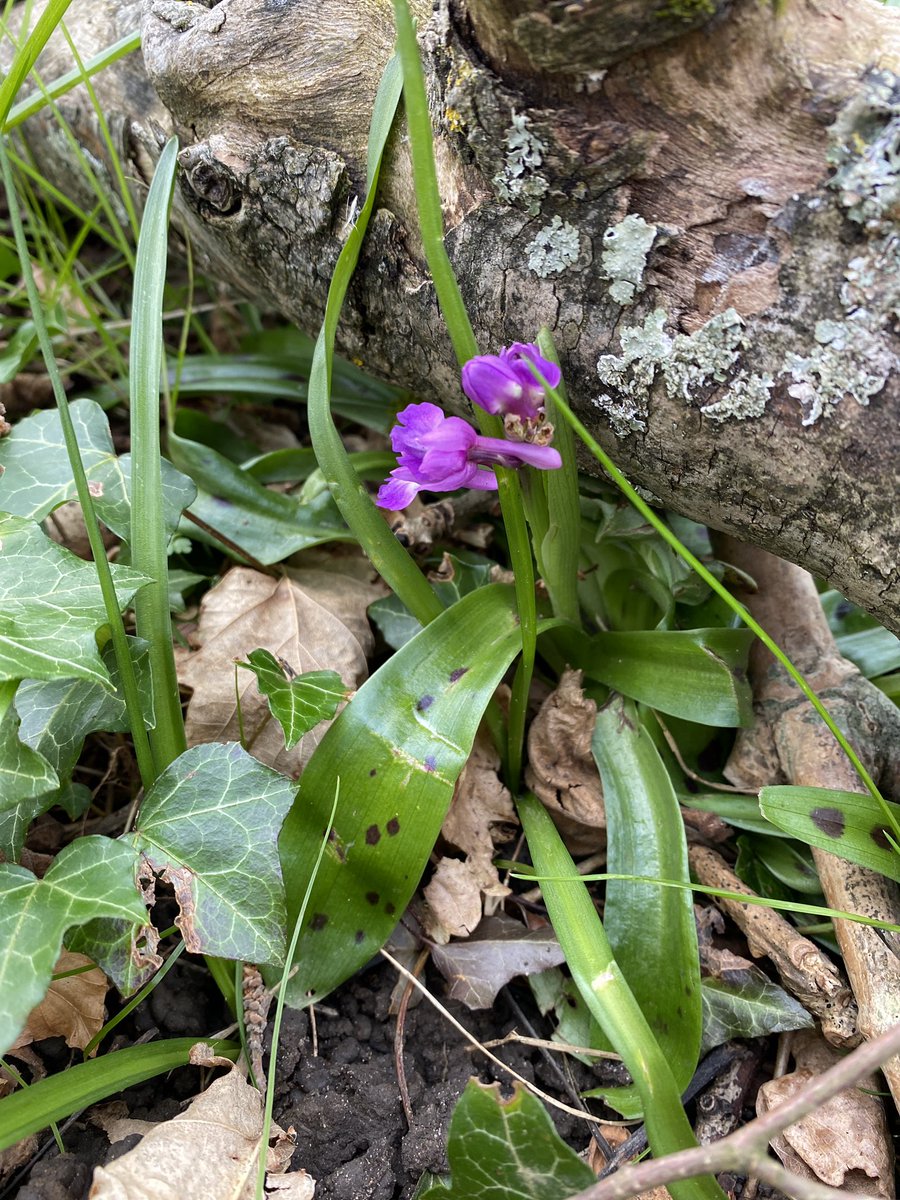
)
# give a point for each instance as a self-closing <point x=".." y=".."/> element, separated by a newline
<point x="210" y="1150"/>
<point x="561" y="770"/>
<point x="453" y="899"/>
<point x="845" y="1142"/>
<point x="16" y="1156"/>
<point x="73" y="1008"/>
<point x="500" y="949"/>
<point x="313" y="621"/>
<point x="481" y="818"/>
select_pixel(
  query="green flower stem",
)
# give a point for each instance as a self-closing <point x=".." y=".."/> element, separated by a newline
<point x="148" y="530"/>
<point x="560" y="545"/>
<point x="608" y="996"/>
<point x="366" y="522"/>
<point x="710" y="580"/>
<point x="459" y="327"/>
<point x="95" y="538"/>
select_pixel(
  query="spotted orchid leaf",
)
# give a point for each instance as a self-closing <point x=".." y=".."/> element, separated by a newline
<point x="395" y="753"/>
<point x="849" y="824"/>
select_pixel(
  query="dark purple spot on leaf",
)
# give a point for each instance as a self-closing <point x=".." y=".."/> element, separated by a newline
<point x="393" y="827"/>
<point x="319" y="921"/>
<point x="372" y="898"/>
<point x="430" y="762"/>
<point x="425" y="703"/>
<point x="457" y="674"/>
<point x="359" y="937"/>
<point x="880" y="838"/>
<point x="373" y="773"/>
<point x="390" y="908"/>
<point x="829" y="821"/>
<point x="373" y="835"/>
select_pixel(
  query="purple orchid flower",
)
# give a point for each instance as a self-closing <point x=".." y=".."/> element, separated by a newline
<point x="502" y="383"/>
<point x="440" y="454"/>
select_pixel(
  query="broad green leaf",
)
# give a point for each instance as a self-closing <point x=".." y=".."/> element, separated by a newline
<point x="651" y="929"/>
<point x="267" y="525"/>
<point x="747" y="1004"/>
<point x="36" y="477"/>
<point x="30" y="1109"/>
<point x="874" y="649"/>
<point x="51" y="607"/>
<point x="24" y="773"/>
<point x="58" y="715"/>
<point x="209" y="825"/>
<point x="396" y="624"/>
<point x="92" y="877"/>
<point x="55" y="718"/>
<point x="397" y="749"/>
<point x="786" y="860"/>
<point x="297" y="702"/>
<point x="602" y="983"/>
<point x="697" y="674"/>
<point x="740" y="811"/>
<point x="507" y="1150"/>
<point x="849" y="824"/>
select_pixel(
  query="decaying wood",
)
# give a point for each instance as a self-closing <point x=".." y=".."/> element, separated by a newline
<point x="700" y="200"/>
<point x="790" y="743"/>
<point x="805" y="970"/>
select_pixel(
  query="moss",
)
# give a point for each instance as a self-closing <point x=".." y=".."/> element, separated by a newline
<point x="555" y="247"/>
<point x="684" y="10"/>
<point x="686" y="364"/>
<point x="624" y="256"/>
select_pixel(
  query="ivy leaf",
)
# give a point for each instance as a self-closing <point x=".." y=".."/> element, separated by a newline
<point x="92" y="877"/>
<point x="746" y="1004"/>
<point x="58" y="714"/>
<point x="297" y="702"/>
<point x="24" y="772"/>
<point x="51" y="607"/>
<point x="507" y="1150"/>
<point x="849" y="824"/>
<point x="209" y="826"/>
<point x="36" y="478"/>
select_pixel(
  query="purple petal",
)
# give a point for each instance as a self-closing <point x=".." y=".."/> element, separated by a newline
<point x="396" y="493"/>
<point x="489" y="382"/>
<point x="504" y="453"/>
<point x="528" y="350"/>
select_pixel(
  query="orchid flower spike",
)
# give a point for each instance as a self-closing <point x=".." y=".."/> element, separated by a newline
<point x="438" y="453"/>
<point x="503" y="384"/>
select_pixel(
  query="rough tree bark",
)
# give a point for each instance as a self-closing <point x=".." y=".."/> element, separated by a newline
<point x="700" y="197"/>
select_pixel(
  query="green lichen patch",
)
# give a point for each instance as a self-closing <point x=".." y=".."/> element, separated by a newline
<point x="624" y="256"/>
<point x="555" y="247"/>
<point x="520" y="178"/>
<point x="849" y="359"/>
<point x="686" y="363"/>
<point x="866" y="152"/>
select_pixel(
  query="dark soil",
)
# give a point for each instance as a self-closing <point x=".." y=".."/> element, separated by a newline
<point x="343" y="1102"/>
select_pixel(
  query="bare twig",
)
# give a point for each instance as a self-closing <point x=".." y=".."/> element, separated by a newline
<point x="805" y="970"/>
<point x="747" y="1150"/>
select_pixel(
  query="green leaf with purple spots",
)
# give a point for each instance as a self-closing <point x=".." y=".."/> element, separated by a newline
<point x="397" y="750"/>
<point x="849" y="824"/>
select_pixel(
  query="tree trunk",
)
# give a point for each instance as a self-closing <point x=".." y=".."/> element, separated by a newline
<point x="697" y="196"/>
